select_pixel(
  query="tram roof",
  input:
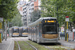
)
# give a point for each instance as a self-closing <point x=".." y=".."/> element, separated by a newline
<point x="40" y="19"/>
<point x="15" y="27"/>
<point x="22" y="27"/>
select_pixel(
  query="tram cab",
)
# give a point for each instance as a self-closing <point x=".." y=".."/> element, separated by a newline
<point x="14" y="31"/>
<point x="44" y="30"/>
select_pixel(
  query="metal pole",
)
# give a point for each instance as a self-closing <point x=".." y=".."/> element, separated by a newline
<point x="8" y="28"/>
<point x="5" y="30"/>
<point x="67" y="30"/>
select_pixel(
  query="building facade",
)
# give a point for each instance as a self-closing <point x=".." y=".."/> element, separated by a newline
<point x="26" y="9"/>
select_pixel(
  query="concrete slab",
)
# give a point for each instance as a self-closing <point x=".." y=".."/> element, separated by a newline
<point x="7" y="45"/>
<point x="70" y="44"/>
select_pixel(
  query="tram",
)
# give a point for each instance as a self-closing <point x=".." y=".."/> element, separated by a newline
<point x="14" y="31"/>
<point x="23" y="31"/>
<point x="44" y="30"/>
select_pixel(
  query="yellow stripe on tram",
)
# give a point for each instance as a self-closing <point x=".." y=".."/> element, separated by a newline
<point x="15" y="33"/>
<point x="25" y="33"/>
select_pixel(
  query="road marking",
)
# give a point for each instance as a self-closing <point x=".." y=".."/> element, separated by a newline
<point x="9" y="45"/>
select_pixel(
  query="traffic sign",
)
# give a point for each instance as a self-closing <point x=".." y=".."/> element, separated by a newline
<point x="67" y="18"/>
<point x="73" y="30"/>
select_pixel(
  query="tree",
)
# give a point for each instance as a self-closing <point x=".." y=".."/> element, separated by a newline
<point x="8" y="8"/>
<point x="16" y="21"/>
<point x="36" y="14"/>
<point x="59" y="9"/>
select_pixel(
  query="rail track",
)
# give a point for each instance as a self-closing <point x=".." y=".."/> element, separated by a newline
<point x="31" y="45"/>
<point x="18" y="46"/>
<point x="57" y="46"/>
<point x="34" y="48"/>
<point x="47" y="45"/>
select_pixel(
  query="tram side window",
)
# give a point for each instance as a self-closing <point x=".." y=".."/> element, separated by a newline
<point x="40" y="28"/>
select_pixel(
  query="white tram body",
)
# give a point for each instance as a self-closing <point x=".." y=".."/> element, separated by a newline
<point x="23" y="31"/>
<point x="44" y="30"/>
<point x="14" y="31"/>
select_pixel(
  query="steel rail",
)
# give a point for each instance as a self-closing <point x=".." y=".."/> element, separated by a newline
<point x="47" y="47"/>
<point x="51" y="48"/>
<point x="31" y="45"/>
<point x="18" y="46"/>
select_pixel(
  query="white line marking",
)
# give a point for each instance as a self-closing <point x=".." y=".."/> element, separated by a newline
<point x="9" y="45"/>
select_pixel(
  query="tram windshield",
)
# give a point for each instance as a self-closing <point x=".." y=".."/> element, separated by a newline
<point x="50" y="29"/>
<point x="15" y="30"/>
<point x="24" y="30"/>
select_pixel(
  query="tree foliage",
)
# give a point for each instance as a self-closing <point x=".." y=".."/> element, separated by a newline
<point x="16" y="21"/>
<point x="8" y="8"/>
<point x="35" y="15"/>
<point x="59" y="8"/>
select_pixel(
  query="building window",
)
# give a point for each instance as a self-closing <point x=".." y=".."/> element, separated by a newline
<point x="25" y="15"/>
<point x="35" y="0"/>
<point x="24" y="8"/>
<point x="32" y="8"/>
<point x="26" y="4"/>
<point x="25" y="23"/>
<point x="24" y="19"/>
<point x="32" y="5"/>
<point x="24" y="12"/>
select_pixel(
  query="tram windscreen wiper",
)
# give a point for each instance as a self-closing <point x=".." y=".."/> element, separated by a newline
<point x="50" y="32"/>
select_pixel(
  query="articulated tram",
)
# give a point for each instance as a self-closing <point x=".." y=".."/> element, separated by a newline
<point x="23" y="31"/>
<point x="14" y="31"/>
<point x="44" y="30"/>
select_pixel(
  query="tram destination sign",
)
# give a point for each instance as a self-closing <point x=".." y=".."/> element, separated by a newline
<point x="50" y="21"/>
<point x="67" y="18"/>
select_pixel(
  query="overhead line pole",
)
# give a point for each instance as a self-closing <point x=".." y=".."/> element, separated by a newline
<point x="5" y="30"/>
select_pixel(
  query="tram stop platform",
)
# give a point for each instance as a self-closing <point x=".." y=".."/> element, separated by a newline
<point x="7" y="45"/>
<point x="70" y="44"/>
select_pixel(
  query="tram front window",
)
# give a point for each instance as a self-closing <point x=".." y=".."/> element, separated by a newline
<point x="49" y="29"/>
<point x="24" y="30"/>
<point x="15" y="30"/>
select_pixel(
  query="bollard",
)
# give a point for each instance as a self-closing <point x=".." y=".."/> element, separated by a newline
<point x="73" y="36"/>
<point x="0" y="32"/>
<point x="67" y="37"/>
<point x="0" y="38"/>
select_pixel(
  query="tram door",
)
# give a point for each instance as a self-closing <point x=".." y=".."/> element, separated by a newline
<point x="37" y="31"/>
